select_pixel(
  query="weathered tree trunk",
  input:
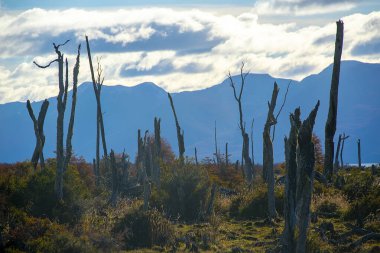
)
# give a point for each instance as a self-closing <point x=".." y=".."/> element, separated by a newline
<point x="196" y="156"/>
<point x="39" y="133"/>
<point x="210" y="208"/>
<point x="180" y="137"/>
<point x="359" y="155"/>
<point x="268" y="153"/>
<point x="336" y="164"/>
<point x="226" y="158"/>
<point x="97" y="88"/>
<point x="300" y="161"/>
<point x="157" y="151"/>
<point x="305" y="178"/>
<point x="291" y="183"/>
<point x="248" y="168"/>
<point x="70" y="131"/>
<point x="113" y="198"/>
<point x="61" y="107"/>
<point x="341" y="151"/>
<point x="330" y="127"/>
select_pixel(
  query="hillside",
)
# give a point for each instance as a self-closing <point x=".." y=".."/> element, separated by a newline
<point x="127" y="109"/>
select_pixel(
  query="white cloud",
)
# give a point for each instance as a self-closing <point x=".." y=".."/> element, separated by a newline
<point x="178" y="50"/>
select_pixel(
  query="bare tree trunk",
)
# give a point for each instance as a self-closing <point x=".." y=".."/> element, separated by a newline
<point x="157" y="151"/>
<point x="248" y="168"/>
<point x="113" y="198"/>
<point x="196" y="156"/>
<point x="300" y="161"/>
<point x="359" y="155"/>
<point x="210" y="208"/>
<point x="39" y="133"/>
<point x="336" y="164"/>
<point x="70" y="131"/>
<point x="180" y="137"/>
<point x="305" y="169"/>
<point x="226" y="155"/>
<point x="330" y="127"/>
<point x="289" y="242"/>
<point x="268" y="153"/>
<point x="61" y="107"/>
<point x="341" y="151"/>
<point x="97" y="87"/>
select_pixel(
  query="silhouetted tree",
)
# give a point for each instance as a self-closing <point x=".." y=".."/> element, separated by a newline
<point x="180" y="137"/>
<point x="62" y="157"/>
<point x="330" y="127"/>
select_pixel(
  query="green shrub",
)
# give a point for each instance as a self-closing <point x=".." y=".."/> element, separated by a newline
<point x="30" y="234"/>
<point x="358" y="183"/>
<point x="184" y="192"/>
<point x="360" y="208"/>
<point x="140" y="229"/>
<point x="330" y="203"/>
<point x="250" y="204"/>
<point x="35" y="194"/>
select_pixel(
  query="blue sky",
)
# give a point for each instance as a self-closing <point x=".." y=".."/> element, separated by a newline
<point x="179" y="46"/>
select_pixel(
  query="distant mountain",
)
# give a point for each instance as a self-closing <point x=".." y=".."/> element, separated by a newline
<point x="127" y="109"/>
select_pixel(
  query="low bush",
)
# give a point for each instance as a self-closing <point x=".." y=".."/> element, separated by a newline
<point x="184" y="192"/>
<point x="250" y="204"/>
<point x="140" y="229"/>
<point x="330" y="203"/>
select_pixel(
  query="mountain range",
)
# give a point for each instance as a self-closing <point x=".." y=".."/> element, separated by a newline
<point x="127" y="109"/>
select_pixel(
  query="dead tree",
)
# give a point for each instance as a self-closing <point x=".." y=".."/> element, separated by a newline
<point x="336" y="164"/>
<point x="113" y="199"/>
<point x="180" y="137"/>
<point x="217" y="155"/>
<point x="341" y="150"/>
<point x="226" y="155"/>
<point x="252" y="152"/>
<point x="300" y="161"/>
<point x="39" y="133"/>
<point x="359" y="155"/>
<point x="330" y="127"/>
<point x="62" y="157"/>
<point x="157" y="151"/>
<point x="196" y="156"/>
<point x="97" y="85"/>
<point x="268" y="173"/>
<point x="210" y="207"/>
<point x="248" y="170"/>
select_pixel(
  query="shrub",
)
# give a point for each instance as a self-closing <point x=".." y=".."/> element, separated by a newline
<point x="139" y="229"/>
<point x="26" y="233"/>
<point x="358" y="184"/>
<point x="184" y="192"/>
<point x="359" y="209"/>
<point x="250" y="204"/>
<point x="35" y="194"/>
<point x="330" y="203"/>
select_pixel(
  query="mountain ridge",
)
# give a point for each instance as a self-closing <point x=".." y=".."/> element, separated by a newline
<point x="127" y="109"/>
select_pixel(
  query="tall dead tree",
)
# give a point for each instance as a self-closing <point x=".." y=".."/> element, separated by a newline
<point x="196" y="156"/>
<point x="63" y="157"/>
<point x="268" y="152"/>
<point x="157" y="151"/>
<point x="330" y="127"/>
<point x="97" y="86"/>
<point x="341" y="150"/>
<point x="300" y="161"/>
<point x="39" y="133"/>
<point x="113" y="199"/>
<point x="336" y="163"/>
<point x="180" y="137"/>
<point x="248" y="170"/>
<point x="359" y="155"/>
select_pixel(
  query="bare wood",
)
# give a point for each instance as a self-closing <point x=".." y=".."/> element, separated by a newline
<point x="336" y="164"/>
<point x="180" y="137"/>
<point x="330" y="127"/>
<point x="268" y="174"/>
<point x="98" y="102"/>
<point x="70" y="131"/>
<point x="341" y="151"/>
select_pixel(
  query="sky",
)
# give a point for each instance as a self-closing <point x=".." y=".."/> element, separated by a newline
<point x="186" y="45"/>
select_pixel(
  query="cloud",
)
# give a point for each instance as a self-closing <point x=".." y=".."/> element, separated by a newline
<point x="176" y="49"/>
